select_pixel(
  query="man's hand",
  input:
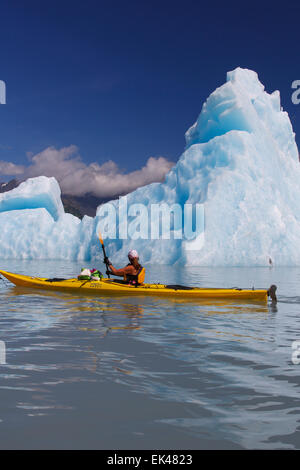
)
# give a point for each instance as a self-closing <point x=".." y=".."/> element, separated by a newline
<point x="106" y="261"/>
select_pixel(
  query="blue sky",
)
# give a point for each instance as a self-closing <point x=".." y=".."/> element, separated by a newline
<point x="124" y="80"/>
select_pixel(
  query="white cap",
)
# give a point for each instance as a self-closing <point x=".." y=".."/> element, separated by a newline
<point x="133" y="254"/>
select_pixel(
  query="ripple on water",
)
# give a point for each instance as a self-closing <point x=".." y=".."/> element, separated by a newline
<point x="150" y="372"/>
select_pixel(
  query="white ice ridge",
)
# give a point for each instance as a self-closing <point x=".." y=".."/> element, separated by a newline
<point x="241" y="162"/>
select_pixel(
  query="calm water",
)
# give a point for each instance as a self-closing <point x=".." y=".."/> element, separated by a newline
<point x="95" y="372"/>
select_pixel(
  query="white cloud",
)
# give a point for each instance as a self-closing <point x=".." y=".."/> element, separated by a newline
<point x="7" y="168"/>
<point x="76" y="178"/>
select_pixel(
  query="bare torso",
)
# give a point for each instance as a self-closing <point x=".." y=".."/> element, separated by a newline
<point x="127" y="270"/>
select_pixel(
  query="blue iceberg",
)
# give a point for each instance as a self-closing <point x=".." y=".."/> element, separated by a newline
<point x="32" y="194"/>
<point x="241" y="164"/>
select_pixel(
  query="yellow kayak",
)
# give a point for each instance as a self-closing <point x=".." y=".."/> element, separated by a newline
<point x="117" y="287"/>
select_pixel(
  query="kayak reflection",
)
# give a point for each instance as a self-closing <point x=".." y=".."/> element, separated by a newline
<point x="135" y="306"/>
<point x="110" y="314"/>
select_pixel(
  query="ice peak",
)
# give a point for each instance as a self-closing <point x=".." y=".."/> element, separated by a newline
<point x="247" y="80"/>
<point x="242" y="104"/>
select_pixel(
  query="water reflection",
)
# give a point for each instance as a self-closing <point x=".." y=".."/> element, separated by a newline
<point x="201" y="372"/>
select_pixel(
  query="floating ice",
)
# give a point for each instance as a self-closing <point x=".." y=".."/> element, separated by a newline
<point x="41" y="192"/>
<point x="241" y="162"/>
<point x="33" y="234"/>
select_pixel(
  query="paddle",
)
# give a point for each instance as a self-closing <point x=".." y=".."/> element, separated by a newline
<point x="104" y="253"/>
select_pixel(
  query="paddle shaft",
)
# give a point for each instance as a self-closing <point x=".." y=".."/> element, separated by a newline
<point x="104" y="253"/>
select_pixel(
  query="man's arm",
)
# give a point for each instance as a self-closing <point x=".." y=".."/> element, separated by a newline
<point x="121" y="272"/>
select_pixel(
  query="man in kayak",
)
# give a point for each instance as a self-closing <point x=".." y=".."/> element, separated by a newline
<point x="133" y="273"/>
